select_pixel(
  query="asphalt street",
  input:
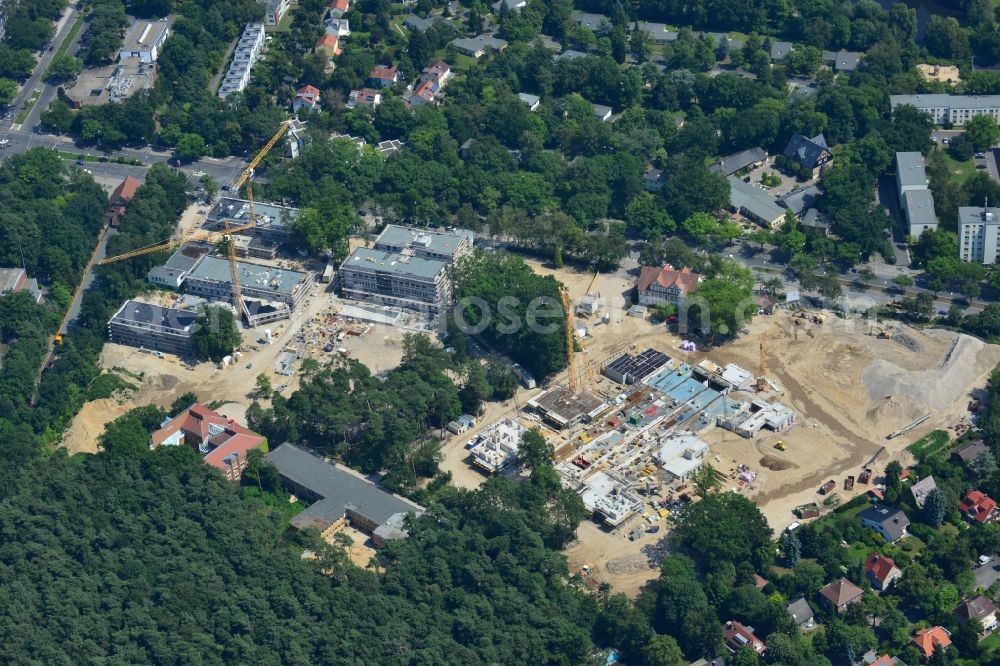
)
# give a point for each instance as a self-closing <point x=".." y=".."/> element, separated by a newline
<point x="35" y="80"/>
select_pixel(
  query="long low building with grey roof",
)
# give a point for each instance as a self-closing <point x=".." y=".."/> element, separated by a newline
<point x="340" y="496"/>
<point x="915" y="199"/>
<point x="954" y="109"/>
<point x="754" y="203"/>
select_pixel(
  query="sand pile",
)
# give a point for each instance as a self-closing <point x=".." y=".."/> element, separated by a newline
<point x="895" y="411"/>
<point x="936" y="388"/>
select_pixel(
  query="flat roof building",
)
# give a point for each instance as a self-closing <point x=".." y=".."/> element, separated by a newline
<point x="496" y="448"/>
<point x="153" y="327"/>
<point x="978" y="234"/>
<point x="144" y="40"/>
<point x="273" y="221"/>
<point x="918" y="208"/>
<point x="562" y="408"/>
<point x="426" y="243"/>
<point x="630" y="369"/>
<point x="13" y="280"/>
<point x="245" y="56"/>
<point x="910" y="172"/>
<point x="680" y="455"/>
<point x="954" y="109"/>
<point x="340" y="496"/>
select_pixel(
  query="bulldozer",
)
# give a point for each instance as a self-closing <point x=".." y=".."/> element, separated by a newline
<point x="780" y="445"/>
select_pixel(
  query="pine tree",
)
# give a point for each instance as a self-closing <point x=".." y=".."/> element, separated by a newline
<point x="791" y="549"/>
<point x="935" y="508"/>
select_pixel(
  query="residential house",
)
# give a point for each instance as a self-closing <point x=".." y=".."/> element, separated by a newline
<point x="842" y="61"/>
<point x="659" y="33"/>
<point x="811" y="154"/>
<point x="120" y="199"/>
<point x="477" y="46"/>
<point x="338" y="8"/>
<point x="298" y="140"/>
<point x="927" y="640"/>
<point x="841" y="594"/>
<point x="364" y="97"/>
<point x="511" y="5"/>
<point x="889" y="522"/>
<point x="738" y="636"/>
<point x="414" y="22"/>
<point x="979" y="234"/>
<point x="978" y="507"/>
<point x="654" y="179"/>
<point x="225" y="443"/>
<point x="882" y="571"/>
<point x="871" y="659"/>
<point x="425" y="93"/>
<point x="749" y="158"/>
<point x="921" y="489"/>
<point x="666" y="286"/>
<point x="307" y="98"/>
<point x="754" y="203"/>
<point x="13" y="280"/>
<point x="802" y="613"/>
<point x="980" y="609"/>
<point x="968" y="452"/>
<point x="780" y="49"/>
<point x="383" y="77"/>
<point x="599" y="24"/>
<point x="569" y="54"/>
<point x="328" y="45"/>
<point x="339" y="27"/>
<point x="276" y="10"/>
<point x="531" y="101"/>
<point x="602" y="113"/>
<point x="439" y="73"/>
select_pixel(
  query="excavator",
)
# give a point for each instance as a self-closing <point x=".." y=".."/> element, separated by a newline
<point x="227" y="234"/>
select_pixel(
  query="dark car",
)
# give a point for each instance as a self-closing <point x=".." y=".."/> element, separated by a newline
<point x="225" y="188"/>
<point x="79" y="162"/>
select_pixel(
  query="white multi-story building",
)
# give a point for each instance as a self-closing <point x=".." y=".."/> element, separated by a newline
<point x="978" y="231"/>
<point x="915" y="199"/>
<point x="144" y="40"/>
<point x="244" y="57"/>
<point x="954" y="109"/>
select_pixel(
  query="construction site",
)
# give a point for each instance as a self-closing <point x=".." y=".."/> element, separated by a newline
<point x="839" y="399"/>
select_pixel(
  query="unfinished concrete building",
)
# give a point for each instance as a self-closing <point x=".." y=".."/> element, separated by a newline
<point x="561" y="408"/>
<point x="496" y="448"/>
<point x="152" y="327"/>
<point x="630" y="369"/>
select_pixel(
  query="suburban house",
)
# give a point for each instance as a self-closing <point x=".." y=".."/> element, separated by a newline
<point x="364" y="97"/>
<point x="275" y="11"/>
<point x="120" y="199"/>
<point x="872" y="659"/>
<point x="601" y="112"/>
<point x="477" y="46"/>
<point x="921" y="489"/>
<point x="979" y="507"/>
<point x="225" y="443"/>
<point x="328" y="45"/>
<point x="414" y="22"/>
<point x="531" y="101"/>
<point x="306" y="97"/>
<point x="968" y="452"/>
<point x="654" y="179"/>
<point x="882" y="571"/>
<point x="980" y="609"/>
<point x="658" y="33"/>
<point x="802" y="613"/>
<point x="599" y="24"/>
<point x="425" y="93"/>
<point x="780" y="49"/>
<point x="812" y="154"/>
<point x="511" y="5"/>
<point x="438" y="73"/>
<point x="383" y="77"/>
<point x="338" y="8"/>
<point x="738" y="636"/>
<point x="13" y="280"/>
<point x="842" y="61"/>
<point x="889" y="522"/>
<point x="666" y="286"/>
<point x="927" y="640"/>
<point x="338" y="27"/>
<point x="838" y="596"/>
<point x="730" y="164"/>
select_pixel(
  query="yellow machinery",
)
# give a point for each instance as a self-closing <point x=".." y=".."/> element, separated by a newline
<point x="780" y="445"/>
<point x="570" y="360"/>
<point x="210" y="236"/>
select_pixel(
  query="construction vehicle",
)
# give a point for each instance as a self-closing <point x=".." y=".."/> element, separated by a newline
<point x="227" y="234"/>
<point x="780" y="445"/>
<point x="827" y="487"/>
<point x="866" y="475"/>
<point x="849" y="483"/>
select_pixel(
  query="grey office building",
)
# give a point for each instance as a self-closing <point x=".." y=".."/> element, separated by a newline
<point x="153" y="327"/>
<point x="978" y="234"/>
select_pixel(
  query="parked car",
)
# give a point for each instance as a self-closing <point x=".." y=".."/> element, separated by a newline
<point x="79" y="162"/>
<point x="980" y="155"/>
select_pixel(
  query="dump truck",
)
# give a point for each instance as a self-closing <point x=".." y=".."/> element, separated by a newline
<point x="827" y="487"/>
<point x="849" y="483"/>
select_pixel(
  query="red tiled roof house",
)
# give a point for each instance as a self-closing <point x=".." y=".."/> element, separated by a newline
<point x="927" y="640"/>
<point x="978" y="507"/>
<point x="838" y="596"/>
<point x="225" y="443"/>
<point x="661" y="286"/>
<point x="738" y="636"/>
<point x="882" y="571"/>
<point x="120" y="199"/>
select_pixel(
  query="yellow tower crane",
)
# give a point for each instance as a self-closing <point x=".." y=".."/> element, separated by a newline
<point x="762" y="370"/>
<point x="570" y="360"/>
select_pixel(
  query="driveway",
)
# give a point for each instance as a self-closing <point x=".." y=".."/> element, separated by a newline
<point x="988" y="575"/>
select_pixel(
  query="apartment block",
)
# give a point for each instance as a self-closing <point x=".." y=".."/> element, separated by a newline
<point x="978" y="232"/>
<point x="954" y="109"/>
<point x="168" y="330"/>
<point x="244" y="57"/>
<point x="915" y="199"/>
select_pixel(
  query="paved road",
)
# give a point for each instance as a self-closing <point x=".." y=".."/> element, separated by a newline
<point x="35" y="80"/>
<point x="986" y="576"/>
